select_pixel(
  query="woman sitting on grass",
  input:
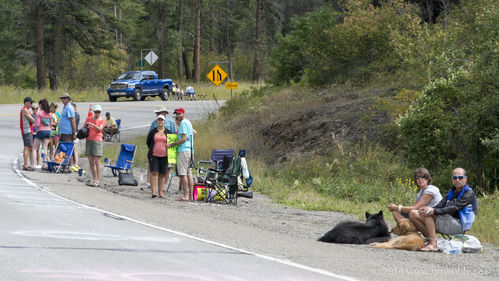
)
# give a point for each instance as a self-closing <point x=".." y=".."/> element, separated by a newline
<point x="429" y="195"/>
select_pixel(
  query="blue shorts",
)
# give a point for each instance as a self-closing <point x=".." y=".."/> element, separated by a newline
<point x="45" y="134"/>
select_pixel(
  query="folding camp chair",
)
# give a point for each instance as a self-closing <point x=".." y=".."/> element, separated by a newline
<point x="217" y="157"/>
<point x="123" y="160"/>
<point x="222" y="183"/>
<point x="62" y="158"/>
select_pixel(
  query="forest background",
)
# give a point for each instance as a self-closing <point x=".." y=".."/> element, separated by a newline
<point x="355" y="94"/>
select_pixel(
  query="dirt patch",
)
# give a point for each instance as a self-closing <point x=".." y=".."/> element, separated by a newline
<point x="316" y="127"/>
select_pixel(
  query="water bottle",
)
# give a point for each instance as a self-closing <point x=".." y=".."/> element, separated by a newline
<point x="141" y="178"/>
<point x="42" y="153"/>
<point x="104" y="173"/>
<point x="454" y="250"/>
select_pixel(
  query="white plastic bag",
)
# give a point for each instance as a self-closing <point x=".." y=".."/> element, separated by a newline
<point x="450" y="246"/>
<point x="471" y="244"/>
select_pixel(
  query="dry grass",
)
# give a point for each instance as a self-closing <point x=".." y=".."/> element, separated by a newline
<point x="204" y="90"/>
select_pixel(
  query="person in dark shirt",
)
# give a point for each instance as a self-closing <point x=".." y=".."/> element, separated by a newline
<point x="445" y="215"/>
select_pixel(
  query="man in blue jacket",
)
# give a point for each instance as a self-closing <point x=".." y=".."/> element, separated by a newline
<point x="448" y="215"/>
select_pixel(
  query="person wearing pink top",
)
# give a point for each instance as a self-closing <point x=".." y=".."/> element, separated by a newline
<point x="93" y="145"/>
<point x="157" y="156"/>
<point x="43" y="125"/>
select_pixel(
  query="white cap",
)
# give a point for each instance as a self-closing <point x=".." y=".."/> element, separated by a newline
<point x="97" y="108"/>
<point x="161" y="117"/>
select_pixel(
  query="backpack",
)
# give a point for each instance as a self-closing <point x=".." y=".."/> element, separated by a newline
<point x="466" y="214"/>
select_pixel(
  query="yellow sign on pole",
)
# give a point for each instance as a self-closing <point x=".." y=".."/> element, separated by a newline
<point x="231" y="85"/>
<point x="216" y="75"/>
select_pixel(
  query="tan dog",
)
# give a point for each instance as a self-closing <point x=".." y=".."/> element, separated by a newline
<point x="404" y="227"/>
<point x="409" y="238"/>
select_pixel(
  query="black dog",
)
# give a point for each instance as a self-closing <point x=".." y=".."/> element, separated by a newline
<point x="352" y="232"/>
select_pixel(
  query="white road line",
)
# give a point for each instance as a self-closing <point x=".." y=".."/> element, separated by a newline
<point x="290" y="263"/>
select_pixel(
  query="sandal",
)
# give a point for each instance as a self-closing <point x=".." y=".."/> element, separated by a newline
<point x="154" y="196"/>
<point x="182" y="199"/>
<point x="429" y="248"/>
<point x="96" y="184"/>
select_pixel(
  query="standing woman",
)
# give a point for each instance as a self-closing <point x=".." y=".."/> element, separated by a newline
<point x="93" y="146"/>
<point x="43" y="125"/>
<point x="157" y="156"/>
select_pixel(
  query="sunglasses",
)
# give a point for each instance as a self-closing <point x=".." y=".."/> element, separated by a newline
<point x="97" y="111"/>
<point x="458" y="177"/>
<point x="420" y="177"/>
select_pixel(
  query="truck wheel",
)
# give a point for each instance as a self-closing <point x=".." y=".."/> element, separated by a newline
<point x="165" y="94"/>
<point x="112" y="99"/>
<point x="143" y="98"/>
<point x="137" y="95"/>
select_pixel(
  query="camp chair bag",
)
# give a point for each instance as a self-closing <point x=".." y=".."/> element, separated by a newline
<point x="127" y="179"/>
<point x="82" y="133"/>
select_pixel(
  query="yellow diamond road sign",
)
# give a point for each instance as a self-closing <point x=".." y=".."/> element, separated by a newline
<point x="216" y="75"/>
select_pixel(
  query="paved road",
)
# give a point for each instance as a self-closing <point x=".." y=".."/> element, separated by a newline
<point x="47" y="237"/>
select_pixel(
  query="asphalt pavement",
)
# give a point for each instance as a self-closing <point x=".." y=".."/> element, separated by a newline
<point x="46" y="236"/>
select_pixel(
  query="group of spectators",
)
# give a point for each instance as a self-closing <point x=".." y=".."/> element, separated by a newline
<point x="47" y="126"/>
<point x="42" y="125"/>
<point x="179" y="94"/>
<point x="159" y="167"/>
<point x="432" y="213"/>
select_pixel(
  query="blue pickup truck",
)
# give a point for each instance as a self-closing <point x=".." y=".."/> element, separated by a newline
<point x="138" y="85"/>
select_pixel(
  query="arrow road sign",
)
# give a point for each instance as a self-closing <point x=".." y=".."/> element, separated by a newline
<point x="216" y="75"/>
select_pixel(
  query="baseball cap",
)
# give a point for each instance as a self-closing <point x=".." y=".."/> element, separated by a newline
<point x="28" y="99"/>
<point x="97" y="108"/>
<point x="179" y="110"/>
<point x="161" y="117"/>
<point x="108" y="113"/>
<point x="160" y="109"/>
<point x="34" y="105"/>
<point x="65" y="95"/>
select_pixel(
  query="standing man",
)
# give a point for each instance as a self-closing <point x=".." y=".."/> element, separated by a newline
<point x="185" y="156"/>
<point x="26" y="123"/>
<point x="445" y="216"/>
<point x="67" y="124"/>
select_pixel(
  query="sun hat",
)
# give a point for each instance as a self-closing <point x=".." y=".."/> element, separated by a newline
<point x="160" y="108"/>
<point x="97" y="108"/>
<point x="65" y="95"/>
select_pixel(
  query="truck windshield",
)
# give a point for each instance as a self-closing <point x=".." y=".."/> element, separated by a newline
<point x="129" y="76"/>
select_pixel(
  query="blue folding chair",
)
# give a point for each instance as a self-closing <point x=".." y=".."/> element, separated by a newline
<point x="217" y="157"/>
<point x="123" y="160"/>
<point x="66" y="148"/>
